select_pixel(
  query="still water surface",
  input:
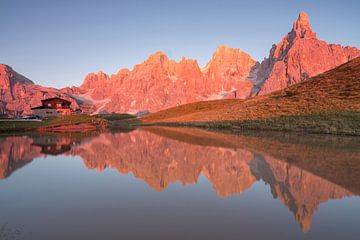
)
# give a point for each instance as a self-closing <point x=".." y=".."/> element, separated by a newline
<point x="179" y="183"/>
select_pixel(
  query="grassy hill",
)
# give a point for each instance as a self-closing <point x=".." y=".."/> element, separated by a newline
<point x="326" y="103"/>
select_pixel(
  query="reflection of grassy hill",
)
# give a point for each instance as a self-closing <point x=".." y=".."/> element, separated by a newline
<point x="195" y="136"/>
<point x="329" y="102"/>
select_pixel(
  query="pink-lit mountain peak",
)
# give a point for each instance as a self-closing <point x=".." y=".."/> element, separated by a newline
<point x="302" y="26"/>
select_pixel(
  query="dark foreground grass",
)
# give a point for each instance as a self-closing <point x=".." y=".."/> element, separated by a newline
<point x="10" y="126"/>
<point x="116" y="116"/>
<point x="341" y="123"/>
<point x="16" y="126"/>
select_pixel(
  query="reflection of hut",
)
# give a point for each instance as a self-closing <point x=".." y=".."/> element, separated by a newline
<point x="52" y="107"/>
<point x="54" y="149"/>
<point x="54" y="145"/>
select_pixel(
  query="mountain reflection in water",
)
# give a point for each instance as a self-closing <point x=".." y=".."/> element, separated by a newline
<point x="302" y="171"/>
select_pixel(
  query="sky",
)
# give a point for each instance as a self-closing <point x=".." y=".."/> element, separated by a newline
<point x="57" y="43"/>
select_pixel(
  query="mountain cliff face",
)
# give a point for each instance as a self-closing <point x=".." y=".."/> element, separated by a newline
<point x="160" y="82"/>
<point x="19" y="94"/>
<point x="297" y="57"/>
<point x="228" y="70"/>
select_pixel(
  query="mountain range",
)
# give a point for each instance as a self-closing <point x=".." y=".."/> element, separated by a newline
<point x="160" y="82"/>
<point x="336" y="91"/>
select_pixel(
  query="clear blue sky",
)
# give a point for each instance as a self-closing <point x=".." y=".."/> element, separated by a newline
<point x="56" y="43"/>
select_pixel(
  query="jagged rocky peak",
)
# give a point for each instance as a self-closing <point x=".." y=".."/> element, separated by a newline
<point x="93" y="80"/>
<point x="224" y="53"/>
<point x="224" y="50"/>
<point x="157" y="57"/>
<point x="302" y="26"/>
<point x="185" y="60"/>
<point x="123" y="71"/>
<point x="297" y="57"/>
<point x="188" y="67"/>
<point x="229" y="61"/>
<point x="120" y="75"/>
<point x="10" y="77"/>
<point x="301" y="29"/>
<point x="156" y="62"/>
<point x="159" y="65"/>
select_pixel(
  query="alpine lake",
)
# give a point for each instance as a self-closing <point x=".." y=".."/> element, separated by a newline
<point x="179" y="183"/>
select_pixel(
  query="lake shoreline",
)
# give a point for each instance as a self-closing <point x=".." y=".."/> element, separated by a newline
<point x="67" y="123"/>
<point x="336" y="123"/>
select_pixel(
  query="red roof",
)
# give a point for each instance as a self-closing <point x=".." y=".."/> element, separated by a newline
<point x="55" y="98"/>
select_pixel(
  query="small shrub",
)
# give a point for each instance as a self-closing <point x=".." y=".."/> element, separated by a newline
<point x="289" y="93"/>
